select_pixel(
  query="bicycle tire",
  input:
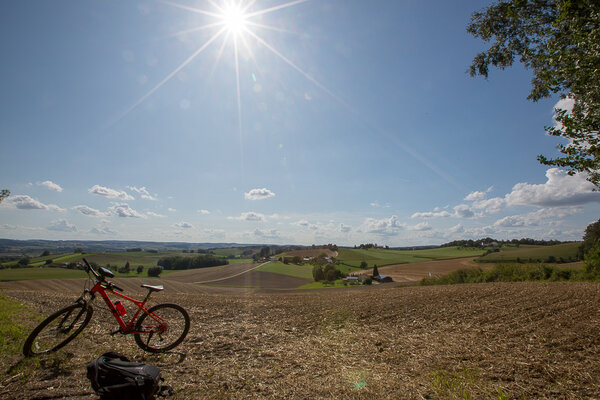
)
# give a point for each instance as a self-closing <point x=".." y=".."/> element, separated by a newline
<point x="177" y="325"/>
<point x="48" y="337"/>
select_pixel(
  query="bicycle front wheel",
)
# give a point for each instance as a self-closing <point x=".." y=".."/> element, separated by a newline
<point x="58" y="329"/>
<point x="162" y="328"/>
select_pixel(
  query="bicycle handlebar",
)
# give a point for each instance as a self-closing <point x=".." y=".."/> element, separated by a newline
<point x="93" y="271"/>
<point x="101" y="278"/>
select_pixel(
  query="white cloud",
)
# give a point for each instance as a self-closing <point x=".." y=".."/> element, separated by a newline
<point x="171" y="209"/>
<point x="513" y="221"/>
<point x="345" y="228"/>
<point x="24" y="202"/>
<point x="543" y="216"/>
<point x="216" y="233"/>
<point x="153" y="214"/>
<point x="559" y="190"/>
<point x="456" y="229"/>
<point x="110" y="193"/>
<point x="385" y="227"/>
<point x="490" y="206"/>
<point x="62" y="225"/>
<point x="249" y="216"/>
<point x="266" y="234"/>
<point x="555" y="212"/>
<point x="102" y="230"/>
<point x="85" y="210"/>
<point x="429" y="214"/>
<point x="463" y="211"/>
<point x="50" y="185"/>
<point x="259" y="194"/>
<point x="423" y="226"/>
<point x="143" y="192"/>
<point x="376" y="204"/>
<point x="478" y="195"/>
<point x="204" y="212"/>
<point x="124" y="211"/>
<point x="278" y="216"/>
<point x="563" y="104"/>
<point x="302" y="222"/>
<point x="183" y="225"/>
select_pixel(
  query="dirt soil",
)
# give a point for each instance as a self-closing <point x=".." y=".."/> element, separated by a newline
<point x="519" y="340"/>
<point x="210" y="274"/>
<point x="414" y="272"/>
<point x="263" y="280"/>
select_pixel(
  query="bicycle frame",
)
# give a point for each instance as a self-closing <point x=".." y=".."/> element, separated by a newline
<point x="125" y="327"/>
<point x="102" y="287"/>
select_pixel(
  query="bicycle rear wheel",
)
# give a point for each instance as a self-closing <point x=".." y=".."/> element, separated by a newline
<point x="58" y="329"/>
<point x="163" y="328"/>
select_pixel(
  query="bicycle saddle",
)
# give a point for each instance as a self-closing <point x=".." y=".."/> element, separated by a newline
<point x="153" y="288"/>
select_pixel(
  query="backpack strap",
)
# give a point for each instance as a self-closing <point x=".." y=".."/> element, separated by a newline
<point x="114" y="354"/>
<point x="165" y="390"/>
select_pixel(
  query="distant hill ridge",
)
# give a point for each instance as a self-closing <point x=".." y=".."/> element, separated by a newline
<point x="105" y="246"/>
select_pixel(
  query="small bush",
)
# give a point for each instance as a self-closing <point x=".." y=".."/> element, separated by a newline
<point x="154" y="271"/>
<point x="561" y="275"/>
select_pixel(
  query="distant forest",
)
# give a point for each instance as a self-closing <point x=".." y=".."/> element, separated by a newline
<point x="489" y="241"/>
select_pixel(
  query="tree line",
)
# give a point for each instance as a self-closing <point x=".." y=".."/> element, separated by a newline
<point x="489" y="241"/>
<point x="201" y="261"/>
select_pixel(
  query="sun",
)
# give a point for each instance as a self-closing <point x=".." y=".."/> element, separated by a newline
<point x="234" y="19"/>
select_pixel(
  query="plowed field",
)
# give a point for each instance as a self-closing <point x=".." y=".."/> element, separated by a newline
<point x="414" y="272"/>
<point x="522" y="340"/>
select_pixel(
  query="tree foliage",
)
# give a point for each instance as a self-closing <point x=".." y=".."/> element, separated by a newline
<point x="559" y="40"/>
<point x="4" y="193"/>
<point x="201" y="261"/>
<point x="591" y="238"/>
<point x="154" y="271"/>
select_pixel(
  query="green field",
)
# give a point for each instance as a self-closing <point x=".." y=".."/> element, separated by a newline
<point x="299" y="271"/>
<point x="135" y="259"/>
<point x="24" y="274"/>
<point x="566" y="252"/>
<point x="57" y="258"/>
<point x="381" y="257"/>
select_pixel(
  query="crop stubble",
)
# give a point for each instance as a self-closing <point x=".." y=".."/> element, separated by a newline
<point x="532" y="340"/>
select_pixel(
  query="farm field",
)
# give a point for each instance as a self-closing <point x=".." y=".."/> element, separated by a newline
<point x="520" y="340"/>
<point x="32" y="273"/>
<point x="299" y="271"/>
<point x="309" y="253"/>
<point x="414" y="272"/>
<point x="565" y="251"/>
<point x="135" y="258"/>
<point x="380" y="257"/>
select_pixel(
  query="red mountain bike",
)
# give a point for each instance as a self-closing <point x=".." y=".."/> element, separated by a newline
<point x="156" y="329"/>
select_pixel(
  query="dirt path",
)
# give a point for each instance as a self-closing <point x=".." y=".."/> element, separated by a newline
<point x="233" y="276"/>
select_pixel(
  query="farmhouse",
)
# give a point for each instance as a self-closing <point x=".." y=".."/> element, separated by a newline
<point x="382" y="278"/>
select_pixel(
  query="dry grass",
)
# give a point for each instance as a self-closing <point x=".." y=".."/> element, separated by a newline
<point x="523" y="340"/>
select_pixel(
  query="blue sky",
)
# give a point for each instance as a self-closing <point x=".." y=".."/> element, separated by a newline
<point x="341" y="122"/>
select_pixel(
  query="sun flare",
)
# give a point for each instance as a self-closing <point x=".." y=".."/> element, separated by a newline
<point x="234" y="19"/>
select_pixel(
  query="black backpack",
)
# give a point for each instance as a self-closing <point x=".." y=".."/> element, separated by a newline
<point x="113" y="376"/>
